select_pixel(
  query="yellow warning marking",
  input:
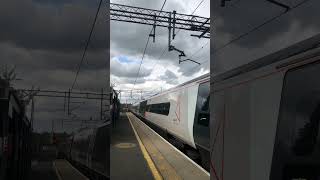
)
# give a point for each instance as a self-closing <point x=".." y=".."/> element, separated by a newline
<point x="125" y="145"/>
<point x="146" y="156"/>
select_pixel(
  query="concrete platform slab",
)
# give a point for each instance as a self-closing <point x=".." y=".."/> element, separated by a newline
<point x="126" y="158"/>
<point x="65" y="171"/>
<point x="171" y="163"/>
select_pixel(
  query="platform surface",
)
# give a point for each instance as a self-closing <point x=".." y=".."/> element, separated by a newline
<point x="43" y="170"/>
<point x="170" y="162"/>
<point x="126" y="158"/>
<point x="65" y="171"/>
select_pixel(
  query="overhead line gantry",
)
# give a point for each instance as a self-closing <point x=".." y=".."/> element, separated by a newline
<point x="171" y="20"/>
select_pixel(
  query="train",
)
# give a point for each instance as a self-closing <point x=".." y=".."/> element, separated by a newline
<point x="265" y="90"/>
<point x="90" y="151"/>
<point x="182" y="116"/>
<point x="88" y="148"/>
<point x="266" y="117"/>
<point x="15" y="135"/>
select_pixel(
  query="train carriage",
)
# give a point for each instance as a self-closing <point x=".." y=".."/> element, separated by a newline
<point x="89" y="151"/>
<point x="89" y="148"/>
<point x="182" y="113"/>
<point x="266" y="117"/>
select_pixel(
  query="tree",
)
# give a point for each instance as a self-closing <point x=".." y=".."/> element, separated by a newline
<point x="9" y="74"/>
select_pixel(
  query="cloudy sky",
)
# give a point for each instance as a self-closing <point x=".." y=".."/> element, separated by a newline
<point x="246" y="30"/>
<point x="45" y="39"/>
<point x="128" y="41"/>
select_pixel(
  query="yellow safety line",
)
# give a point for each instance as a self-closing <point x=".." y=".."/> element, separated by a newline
<point x="146" y="155"/>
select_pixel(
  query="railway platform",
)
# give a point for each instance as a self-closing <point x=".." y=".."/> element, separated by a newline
<point x="58" y="169"/>
<point x="126" y="160"/>
<point x="154" y="157"/>
<point x="43" y="170"/>
<point x="65" y="171"/>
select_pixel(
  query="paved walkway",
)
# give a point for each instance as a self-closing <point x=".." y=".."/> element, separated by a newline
<point x="42" y="170"/>
<point x="170" y="162"/>
<point x="65" y="171"/>
<point x="127" y="160"/>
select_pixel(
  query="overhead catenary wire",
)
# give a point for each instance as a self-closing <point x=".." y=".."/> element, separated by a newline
<point x="254" y="29"/>
<point x="191" y="14"/>
<point x="199" y="49"/>
<point x="87" y="45"/>
<point x="143" y="55"/>
<point x="197" y="7"/>
<point x="233" y="5"/>
<point x="259" y="26"/>
<point x="164" y="51"/>
<point x="179" y="31"/>
<point x="144" y="51"/>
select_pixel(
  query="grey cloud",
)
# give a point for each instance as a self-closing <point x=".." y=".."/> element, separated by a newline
<point x="38" y="26"/>
<point x="33" y="60"/>
<point x="169" y="77"/>
<point x="294" y="26"/>
<point x="228" y="20"/>
<point x="128" y="70"/>
<point x="133" y="80"/>
<point x="130" y="39"/>
<point x="45" y="40"/>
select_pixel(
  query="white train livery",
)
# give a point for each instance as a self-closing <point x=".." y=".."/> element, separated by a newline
<point x="182" y="113"/>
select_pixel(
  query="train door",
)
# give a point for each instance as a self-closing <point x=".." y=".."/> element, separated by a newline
<point x="297" y="145"/>
<point x="201" y="131"/>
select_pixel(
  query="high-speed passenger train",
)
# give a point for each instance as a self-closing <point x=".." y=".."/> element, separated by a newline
<point x="89" y="148"/>
<point x="182" y="113"/>
<point x="90" y="151"/>
<point x="266" y="117"/>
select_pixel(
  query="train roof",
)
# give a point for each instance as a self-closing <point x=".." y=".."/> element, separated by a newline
<point x="283" y="54"/>
<point x="200" y="78"/>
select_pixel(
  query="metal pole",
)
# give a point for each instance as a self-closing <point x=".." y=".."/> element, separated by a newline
<point x="169" y="28"/>
<point x="69" y="103"/>
<point x="64" y="103"/>
<point x="101" y="104"/>
<point x="32" y="112"/>
<point x="52" y="129"/>
<point x="174" y="25"/>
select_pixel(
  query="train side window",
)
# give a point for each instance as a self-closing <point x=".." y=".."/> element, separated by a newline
<point x="306" y="134"/>
<point x="202" y="107"/>
<point x="161" y="108"/>
<point x="297" y="144"/>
